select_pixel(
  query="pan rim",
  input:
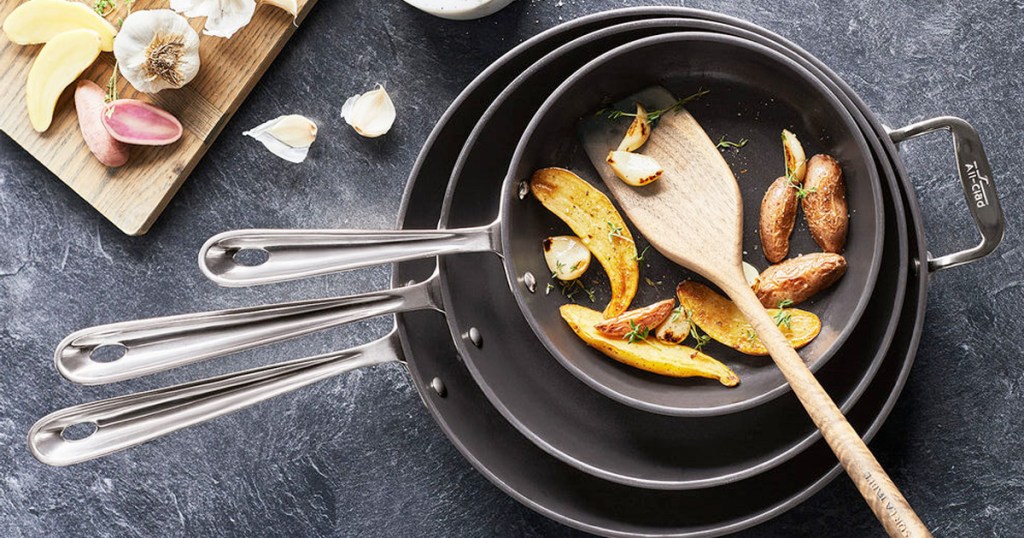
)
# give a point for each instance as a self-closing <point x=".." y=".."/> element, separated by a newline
<point x="782" y="387"/>
<point x="398" y="279"/>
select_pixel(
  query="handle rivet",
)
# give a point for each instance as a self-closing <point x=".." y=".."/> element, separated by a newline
<point x="476" y="337"/>
<point x="438" y="387"/>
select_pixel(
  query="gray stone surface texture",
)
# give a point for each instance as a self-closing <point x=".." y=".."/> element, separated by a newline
<point x="359" y="455"/>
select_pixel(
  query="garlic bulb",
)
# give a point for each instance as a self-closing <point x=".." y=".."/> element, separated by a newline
<point x="156" y="49"/>
<point x="223" y="17"/>
<point x="371" y="114"/>
<point x="288" y="137"/>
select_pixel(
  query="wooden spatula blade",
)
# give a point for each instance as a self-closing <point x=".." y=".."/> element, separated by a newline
<point x="696" y="197"/>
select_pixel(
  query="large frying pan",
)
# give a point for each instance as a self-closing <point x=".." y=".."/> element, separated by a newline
<point x="573" y="435"/>
<point x="525" y="472"/>
<point x="778" y="92"/>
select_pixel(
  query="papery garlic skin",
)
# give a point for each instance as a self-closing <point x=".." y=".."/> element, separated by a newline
<point x="223" y="17"/>
<point x="289" y="137"/>
<point x="157" y="49"/>
<point x="289" y="6"/>
<point x="371" y="114"/>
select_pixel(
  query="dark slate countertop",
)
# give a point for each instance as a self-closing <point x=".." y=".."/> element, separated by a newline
<point x="359" y="455"/>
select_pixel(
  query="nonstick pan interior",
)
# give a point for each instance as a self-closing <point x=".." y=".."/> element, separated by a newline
<point x="754" y="93"/>
<point x="567" y="418"/>
<point x="572" y="497"/>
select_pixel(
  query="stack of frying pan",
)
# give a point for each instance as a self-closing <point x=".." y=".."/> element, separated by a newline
<point x="578" y="437"/>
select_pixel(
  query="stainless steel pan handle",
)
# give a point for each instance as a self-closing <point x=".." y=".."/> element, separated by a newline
<point x="152" y="345"/>
<point x="976" y="178"/>
<point x="250" y="257"/>
<point x="126" y="421"/>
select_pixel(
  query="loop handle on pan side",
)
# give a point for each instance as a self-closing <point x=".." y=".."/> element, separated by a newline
<point x="153" y="345"/>
<point x="130" y="420"/>
<point x="295" y="254"/>
<point x="976" y="178"/>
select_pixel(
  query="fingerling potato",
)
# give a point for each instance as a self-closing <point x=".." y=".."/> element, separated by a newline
<point x="798" y="279"/>
<point x="778" y="216"/>
<point x="825" y="204"/>
<point x="647" y="317"/>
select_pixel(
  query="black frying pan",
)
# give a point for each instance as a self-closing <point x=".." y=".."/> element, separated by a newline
<point x="741" y="67"/>
<point x="663" y="459"/>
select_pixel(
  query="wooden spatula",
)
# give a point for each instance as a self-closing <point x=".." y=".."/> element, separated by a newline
<point x="693" y="215"/>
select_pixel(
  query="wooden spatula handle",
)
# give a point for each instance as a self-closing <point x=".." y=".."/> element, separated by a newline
<point x="874" y="484"/>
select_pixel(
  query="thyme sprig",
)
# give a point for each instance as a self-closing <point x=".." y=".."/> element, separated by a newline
<point x="637" y="333"/>
<point x="701" y="338"/>
<point x="654" y="115"/>
<point x="108" y="6"/>
<point x="104" y="7"/>
<point x="783" y="316"/>
<point x="676" y="312"/>
<point x="640" y="257"/>
<point x="616" y="231"/>
<point x="801" y="192"/>
<point x="725" y="144"/>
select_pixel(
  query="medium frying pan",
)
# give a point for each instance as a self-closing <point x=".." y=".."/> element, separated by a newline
<point x="740" y="67"/>
<point x="661" y="463"/>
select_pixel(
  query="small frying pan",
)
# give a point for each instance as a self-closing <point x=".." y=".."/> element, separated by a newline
<point x="755" y="92"/>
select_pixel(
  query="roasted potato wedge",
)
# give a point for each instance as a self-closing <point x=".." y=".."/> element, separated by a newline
<point x="598" y="224"/>
<point x="650" y="354"/>
<point x="647" y="317"/>
<point x="798" y="279"/>
<point x="778" y="216"/>
<point x="796" y="159"/>
<point x="638" y="131"/>
<point x="722" y="320"/>
<point x="825" y="204"/>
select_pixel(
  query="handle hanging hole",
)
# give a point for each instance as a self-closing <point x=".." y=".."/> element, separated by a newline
<point x="108" y="353"/>
<point x="250" y="257"/>
<point x="79" y="431"/>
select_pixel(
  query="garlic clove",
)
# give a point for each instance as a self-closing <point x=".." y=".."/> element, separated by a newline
<point x="635" y="169"/>
<point x="796" y="159"/>
<point x="157" y="49"/>
<point x="567" y="257"/>
<point x="223" y="17"/>
<point x="751" y="274"/>
<point x="639" y="131"/>
<point x="289" y="137"/>
<point x="371" y="114"/>
<point x="290" y="6"/>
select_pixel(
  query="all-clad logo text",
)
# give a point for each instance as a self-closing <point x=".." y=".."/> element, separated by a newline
<point x="979" y="185"/>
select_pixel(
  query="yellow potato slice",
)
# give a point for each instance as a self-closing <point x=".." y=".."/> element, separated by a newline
<point x="723" y="322"/>
<point x="598" y="224"/>
<point x="39" y="21"/>
<point x="651" y="354"/>
<point x="61" y="60"/>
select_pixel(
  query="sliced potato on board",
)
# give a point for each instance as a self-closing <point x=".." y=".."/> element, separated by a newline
<point x="722" y="320"/>
<point x="650" y="354"/>
<point x="592" y="217"/>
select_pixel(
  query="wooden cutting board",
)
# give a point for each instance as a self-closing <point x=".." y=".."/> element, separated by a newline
<point x="133" y="195"/>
